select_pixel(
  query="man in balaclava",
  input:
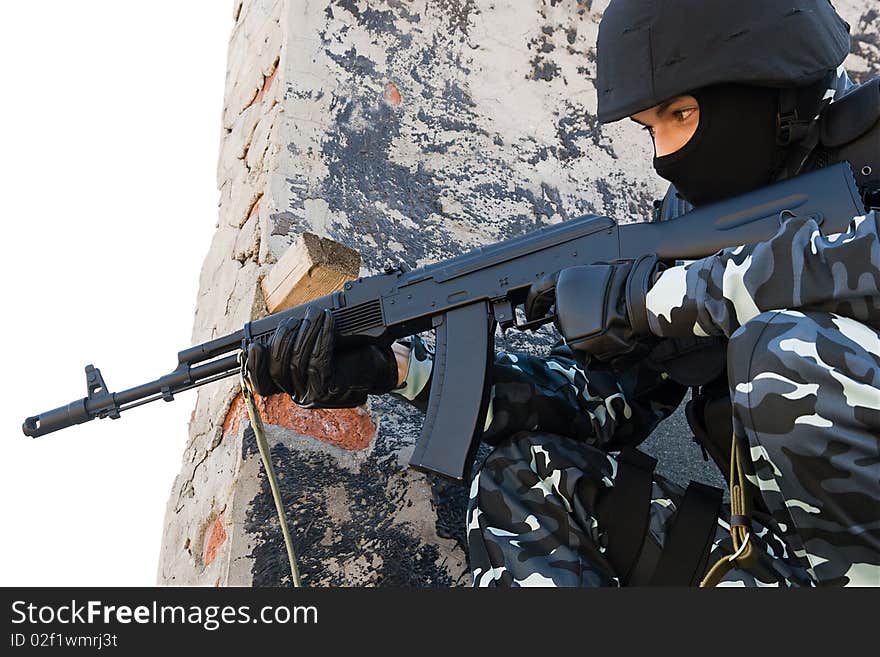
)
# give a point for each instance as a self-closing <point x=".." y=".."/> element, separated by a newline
<point x="778" y="341"/>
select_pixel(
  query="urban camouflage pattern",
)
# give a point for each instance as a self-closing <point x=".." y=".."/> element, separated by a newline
<point x="799" y="267"/>
<point x="612" y="408"/>
<point x="805" y="388"/>
<point x="532" y="519"/>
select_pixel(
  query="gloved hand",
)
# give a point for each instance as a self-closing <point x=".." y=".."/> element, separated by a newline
<point x="302" y="359"/>
<point x="600" y="308"/>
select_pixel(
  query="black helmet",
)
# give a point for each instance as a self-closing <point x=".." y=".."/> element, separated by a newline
<point x="652" y="50"/>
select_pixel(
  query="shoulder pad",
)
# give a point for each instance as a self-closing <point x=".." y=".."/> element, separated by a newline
<point x="852" y="116"/>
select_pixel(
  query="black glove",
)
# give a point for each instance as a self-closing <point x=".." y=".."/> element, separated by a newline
<point x="600" y="308"/>
<point x="303" y="361"/>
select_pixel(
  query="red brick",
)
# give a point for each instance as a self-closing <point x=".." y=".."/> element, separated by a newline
<point x="236" y="411"/>
<point x="215" y="540"/>
<point x="255" y="207"/>
<point x="349" y="428"/>
<point x="392" y="94"/>
<point x="267" y="84"/>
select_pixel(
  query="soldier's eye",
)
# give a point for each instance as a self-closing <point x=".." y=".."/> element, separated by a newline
<point x="683" y="115"/>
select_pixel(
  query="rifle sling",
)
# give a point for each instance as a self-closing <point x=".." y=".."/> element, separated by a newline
<point x="625" y="515"/>
<point x="625" y="512"/>
<point x="686" y="549"/>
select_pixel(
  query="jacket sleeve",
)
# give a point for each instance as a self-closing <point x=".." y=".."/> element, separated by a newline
<point x="798" y="268"/>
<point x="555" y="394"/>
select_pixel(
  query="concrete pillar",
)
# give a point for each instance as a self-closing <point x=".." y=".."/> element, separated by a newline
<point x="864" y="18"/>
<point x="408" y="131"/>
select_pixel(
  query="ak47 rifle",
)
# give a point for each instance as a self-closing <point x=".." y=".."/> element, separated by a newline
<point x="463" y="300"/>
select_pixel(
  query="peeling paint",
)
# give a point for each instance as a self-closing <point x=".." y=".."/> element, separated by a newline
<point x="349" y="428"/>
<point x="216" y="537"/>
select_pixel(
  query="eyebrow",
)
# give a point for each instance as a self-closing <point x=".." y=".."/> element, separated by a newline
<point x="661" y="109"/>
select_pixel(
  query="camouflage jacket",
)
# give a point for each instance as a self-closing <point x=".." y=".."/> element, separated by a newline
<point x="798" y="268"/>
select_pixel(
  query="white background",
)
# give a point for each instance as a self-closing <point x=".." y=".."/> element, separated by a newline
<point x="110" y="124"/>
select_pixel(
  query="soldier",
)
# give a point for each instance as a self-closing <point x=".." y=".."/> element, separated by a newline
<point x="779" y="341"/>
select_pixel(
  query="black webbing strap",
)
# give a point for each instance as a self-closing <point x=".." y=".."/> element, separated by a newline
<point x="626" y="510"/>
<point x="798" y="128"/>
<point x="686" y="549"/>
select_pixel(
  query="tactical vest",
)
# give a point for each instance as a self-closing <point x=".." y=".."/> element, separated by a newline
<point x="849" y="129"/>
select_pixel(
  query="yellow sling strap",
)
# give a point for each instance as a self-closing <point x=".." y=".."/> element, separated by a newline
<point x="744" y="554"/>
<point x="263" y="446"/>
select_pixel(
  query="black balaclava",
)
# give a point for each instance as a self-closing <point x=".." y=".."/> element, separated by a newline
<point x="734" y="148"/>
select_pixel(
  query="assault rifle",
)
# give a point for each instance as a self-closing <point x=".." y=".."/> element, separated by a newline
<point x="464" y="299"/>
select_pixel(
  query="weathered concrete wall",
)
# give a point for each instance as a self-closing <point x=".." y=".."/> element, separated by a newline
<point x="409" y="130"/>
<point x="864" y="18"/>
